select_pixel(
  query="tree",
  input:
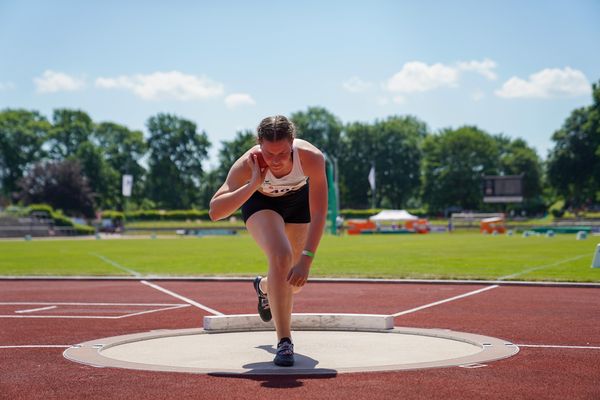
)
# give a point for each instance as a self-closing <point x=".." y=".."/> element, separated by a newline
<point x="122" y="149"/>
<point x="453" y="165"/>
<point x="357" y="152"/>
<point x="229" y="152"/>
<point x="516" y="158"/>
<point x="70" y="128"/>
<point x="103" y="180"/>
<point x="210" y="184"/>
<point x="232" y="150"/>
<point x="175" y="161"/>
<point x="22" y="135"/>
<point x="574" y="162"/>
<point x="398" y="159"/>
<point x="61" y="185"/>
<point x="74" y="136"/>
<point x="393" y="146"/>
<point x="320" y="127"/>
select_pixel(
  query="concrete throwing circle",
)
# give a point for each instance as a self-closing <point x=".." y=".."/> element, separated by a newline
<point x="317" y="352"/>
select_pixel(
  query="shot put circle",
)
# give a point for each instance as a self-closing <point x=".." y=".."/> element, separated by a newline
<point x="317" y="351"/>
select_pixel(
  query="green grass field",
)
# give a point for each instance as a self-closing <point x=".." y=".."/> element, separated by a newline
<point x="437" y="256"/>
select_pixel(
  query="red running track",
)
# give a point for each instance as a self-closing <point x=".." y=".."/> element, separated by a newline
<point x="565" y="322"/>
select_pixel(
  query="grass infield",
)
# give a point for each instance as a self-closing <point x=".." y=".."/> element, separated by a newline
<point x="433" y="256"/>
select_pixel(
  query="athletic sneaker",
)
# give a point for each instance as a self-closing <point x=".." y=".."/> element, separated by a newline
<point x="285" y="353"/>
<point x="264" y="310"/>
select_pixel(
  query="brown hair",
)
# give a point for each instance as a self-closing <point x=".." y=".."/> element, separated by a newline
<point x="276" y="128"/>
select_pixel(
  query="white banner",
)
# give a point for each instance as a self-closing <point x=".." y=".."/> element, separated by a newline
<point x="372" y="177"/>
<point x="127" y="185"/>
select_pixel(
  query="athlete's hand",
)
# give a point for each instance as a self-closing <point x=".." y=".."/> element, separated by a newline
<point x="258" y="173"/>
<point x="299" y="272"/>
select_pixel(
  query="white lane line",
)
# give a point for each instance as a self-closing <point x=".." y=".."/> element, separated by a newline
<point x="541" y="267"/>
<point x="116" y="265"/>
<point x="94" y="316"/>
<point x="35" y="309"/>
<point x="64" y="316"/>
<point x="18" y="303"/>
<point x="180" y="297"/>
<point x="473" y="366"/>
<point x="165" y="307"/>
<point x="551" y="346"/>
<point x="444" y="301"/>
<point x="153" y="311"/>
<point x="37" y="346"/>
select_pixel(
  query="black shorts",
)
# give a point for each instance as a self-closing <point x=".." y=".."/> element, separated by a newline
<point x="293" y="207"/>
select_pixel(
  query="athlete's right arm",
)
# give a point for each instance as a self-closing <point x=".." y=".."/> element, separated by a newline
<point x="244" y="178"/>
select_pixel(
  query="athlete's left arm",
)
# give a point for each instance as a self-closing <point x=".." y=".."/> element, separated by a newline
<point x="313" y="164"/>
<point x="315" y="170"/>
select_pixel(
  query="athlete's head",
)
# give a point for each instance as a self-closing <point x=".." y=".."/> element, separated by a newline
<point x="275" y="136"/>
<point x="276" y="128"/>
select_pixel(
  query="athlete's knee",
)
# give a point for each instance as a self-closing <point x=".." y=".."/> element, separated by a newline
<point x="281" y="259"/>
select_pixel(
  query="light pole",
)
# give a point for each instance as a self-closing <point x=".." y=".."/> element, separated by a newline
<point x="127" y="185"/>
<point x="333" y="191"/>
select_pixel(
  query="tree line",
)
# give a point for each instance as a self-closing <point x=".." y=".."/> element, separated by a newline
<point x="75" y="164"/>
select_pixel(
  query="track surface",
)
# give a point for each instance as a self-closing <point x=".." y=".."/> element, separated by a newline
<point x="563" y="322"/>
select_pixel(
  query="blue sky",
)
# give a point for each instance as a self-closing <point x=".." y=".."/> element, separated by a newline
<point x="512" y="67"/>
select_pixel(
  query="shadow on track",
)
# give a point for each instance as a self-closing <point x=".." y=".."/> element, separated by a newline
<point x="273" y="376"/>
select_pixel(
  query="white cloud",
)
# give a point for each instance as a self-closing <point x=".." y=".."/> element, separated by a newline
<point x="547" y="83"/>
<point x="416" y="76"/>
<point x="239" y="99"/>
<point x="51" y="82"/>
<point x="484" y="68"/>
<point x="165" y="85"/>
<point x="115" y="83"/>
<point x="356" y="85"/>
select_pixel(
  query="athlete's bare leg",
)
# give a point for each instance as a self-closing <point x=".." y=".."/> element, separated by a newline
<point x="269" y="231"/>
<point x="296" y="234"/>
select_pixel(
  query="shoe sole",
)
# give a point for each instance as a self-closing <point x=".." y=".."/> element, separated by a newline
<point x="256" y="285"/>
<point x="283" y="363"/>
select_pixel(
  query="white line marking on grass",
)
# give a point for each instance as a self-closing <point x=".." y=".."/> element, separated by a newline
<point x="37" y="346"/>
<point x="35" y="309"/>
<point x="117" y="265"/>
<point x="551" y="346"/>
<point x="444" y="301"/>
<point x="180" y="297"/>
<point x="542" y="267"/>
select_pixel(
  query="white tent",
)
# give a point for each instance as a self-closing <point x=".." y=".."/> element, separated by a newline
<point x="492" y="219"/>
<point x="393" y="215"/>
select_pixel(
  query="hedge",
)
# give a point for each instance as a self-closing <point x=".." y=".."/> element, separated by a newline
<point x="58" y="218"/>
<point x="161" y="215"/>
<point x="184" y="215"/>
